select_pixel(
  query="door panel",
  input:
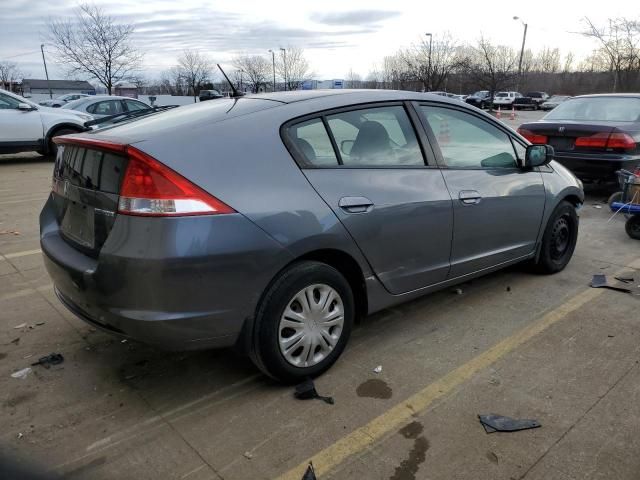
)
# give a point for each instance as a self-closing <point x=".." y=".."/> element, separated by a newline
<point x="497" y="206"/>
<point x="372" y="174"/>
<point x="406" y="232"/>
<point x="18" y="125"/>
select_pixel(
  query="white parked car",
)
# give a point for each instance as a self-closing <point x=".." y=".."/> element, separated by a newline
<point x="62" y="99"/>
<point x="27" y="127"/>
<point x="105" y="105"/>
<point x="505" y="99"/>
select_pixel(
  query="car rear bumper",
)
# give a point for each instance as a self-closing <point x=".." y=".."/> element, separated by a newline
<point x="178" y="283"/>
<point x="596" y="167"/>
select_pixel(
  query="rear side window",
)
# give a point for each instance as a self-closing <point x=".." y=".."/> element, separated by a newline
<point x="312" y="140"/>
<point x="467" y="141"/>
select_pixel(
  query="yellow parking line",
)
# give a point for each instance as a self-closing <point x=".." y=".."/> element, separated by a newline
<point x="365" y="436"/>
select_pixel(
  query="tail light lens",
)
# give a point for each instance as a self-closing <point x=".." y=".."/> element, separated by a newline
<point x="533" y="137"/>
<point x="150" y="188"/>
<point x="605" y="140"/>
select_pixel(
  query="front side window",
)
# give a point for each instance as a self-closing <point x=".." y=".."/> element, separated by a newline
<point x="108" y="107"/>
<point x="375" y="137"/>
<point x="8" y="103"/>
<point x="467" y="141"/>
<point x="132" y="105"/>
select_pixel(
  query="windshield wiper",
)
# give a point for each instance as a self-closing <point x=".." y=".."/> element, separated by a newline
<point x="121" y="117"/>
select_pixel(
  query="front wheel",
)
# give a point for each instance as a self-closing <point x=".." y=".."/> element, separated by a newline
<point x="559" y="239"/>
<point x="632" y="227"/>
<point x="303" y="323"/>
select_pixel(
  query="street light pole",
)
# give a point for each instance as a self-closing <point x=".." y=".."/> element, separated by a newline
<point x="524" y="39"/>
<point x="45" y="70"/>
<point x="273" y="61"/>
<point x="429" y="68"/>
<point x="284" y="60"/>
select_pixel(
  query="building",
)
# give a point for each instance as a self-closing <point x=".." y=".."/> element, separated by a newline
<point x="322" y="84"/>
<point x="125" y="89"/>
<point x="31" y="86"/>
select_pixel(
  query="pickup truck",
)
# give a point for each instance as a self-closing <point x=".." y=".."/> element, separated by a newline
<point x="531" y="100"/>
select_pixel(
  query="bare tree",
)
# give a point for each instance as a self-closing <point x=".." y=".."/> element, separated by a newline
<point x="93" y="44"/>
<point x="195" y="69"/>
<point x="353" y="79"/>
<point x="293" y="67"/>
<point x="9" y="73"/>
<point x="547" y="60"/>
<point x="619" y="46"/>
<point x="255" y="70"/>
<point x="493" y="67"/>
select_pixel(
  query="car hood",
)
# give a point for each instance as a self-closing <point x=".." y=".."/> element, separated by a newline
<point x="71" y="115"/>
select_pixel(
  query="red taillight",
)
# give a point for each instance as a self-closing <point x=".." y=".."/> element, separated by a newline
<point x="533" y="137"/>
<point x="605" y="140"/>
<point x="150" y="188"/>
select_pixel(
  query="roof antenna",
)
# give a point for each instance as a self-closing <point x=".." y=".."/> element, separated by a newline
<point x="236" y="93"/>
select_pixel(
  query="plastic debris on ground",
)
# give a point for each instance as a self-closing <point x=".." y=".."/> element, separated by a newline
<point x="378" y="369"/>
<point x="600" y="281"/>
<point x="22" y="325"/>
<point x="307" y="391"/>
<point x="48" y="360"/>
<point x="21" y="374"/>
<point x="499" y="423"/>
<point x="310" y="473"/>
<point x="248" y="455"/>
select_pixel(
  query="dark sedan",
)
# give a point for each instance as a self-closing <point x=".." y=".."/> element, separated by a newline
<point x="593" y="135"/>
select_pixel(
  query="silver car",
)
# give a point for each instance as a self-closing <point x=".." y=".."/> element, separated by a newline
<point x="273" y="222"/>
<point x="62" y="99"/>
<point x="106" y="105"/>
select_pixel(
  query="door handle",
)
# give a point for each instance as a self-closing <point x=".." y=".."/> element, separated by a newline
<point x="355" y="204"/>
<point x="469" y="197"/>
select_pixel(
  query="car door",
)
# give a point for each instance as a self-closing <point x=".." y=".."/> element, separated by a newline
<point x="18" y="127"/>
<point x="369" y="166"/>
<point x="497" y="206"/>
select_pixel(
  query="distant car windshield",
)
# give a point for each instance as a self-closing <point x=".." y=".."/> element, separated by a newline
<point x="481" y="93"/>
<point x="606" y="109"/>
<point x="72" y="104"/>
<point x="534" y="95"/>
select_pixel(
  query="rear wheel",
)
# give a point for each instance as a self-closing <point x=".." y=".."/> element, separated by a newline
<point x="559" y="239"/>
<point x="53" y="148"/>
<point x="632" y="227"/>
<point x="303" y="323"/>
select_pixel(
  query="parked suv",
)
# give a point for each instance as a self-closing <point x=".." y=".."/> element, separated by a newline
<point x="505" y="99"/>
<point x="531" y="100"/>
<point x="209" y="95"/>
<point x="298" y="213"/>
<point x="25" y="126"/>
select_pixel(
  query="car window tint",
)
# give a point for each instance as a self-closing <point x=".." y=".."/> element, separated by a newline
<point x="467" y="141"/>
<point x="375" y="137"/>
<point x="132" y="106"/>
<point x="312" y="140"/>
<point x="7" y="102"/>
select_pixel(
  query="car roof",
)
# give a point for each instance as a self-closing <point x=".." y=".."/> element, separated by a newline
<point x="595" y="95"/>
<point x="346" y="95"/>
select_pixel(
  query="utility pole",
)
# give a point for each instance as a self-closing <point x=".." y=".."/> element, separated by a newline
<point x="524" y="39"/>
<point x="429" y="68"/>
<point x="45" y="70"/>
<point x="273" y="62"/>
<point x="284" y="61"/>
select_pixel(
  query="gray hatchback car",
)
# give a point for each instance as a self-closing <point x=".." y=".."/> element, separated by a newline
<point x="273" y="222"/>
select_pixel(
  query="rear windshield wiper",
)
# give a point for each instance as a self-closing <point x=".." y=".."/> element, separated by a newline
<point x="121" y="117"/>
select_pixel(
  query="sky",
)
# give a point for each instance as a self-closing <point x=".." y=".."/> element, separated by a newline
<point x="337" y="35"/>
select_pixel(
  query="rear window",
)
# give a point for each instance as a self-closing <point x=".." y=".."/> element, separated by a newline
<point x="90" y="169"/>
<point x="602" y="109"/>
<point x="502" y="94"/>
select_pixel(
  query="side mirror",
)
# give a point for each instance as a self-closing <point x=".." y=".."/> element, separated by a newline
<point x="25" y="107"/>
<point x="538" y="155"/>
<point x="346" y="146"/>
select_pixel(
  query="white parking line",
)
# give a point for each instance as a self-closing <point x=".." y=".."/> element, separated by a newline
<point x="8" y="256"/>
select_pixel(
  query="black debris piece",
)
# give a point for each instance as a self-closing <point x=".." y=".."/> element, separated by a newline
<point x="624" y="279"/>
<point x="600" y="281"/>
<point x="310" y="473"/>
<point x="498" y="423"/>
<point x="307" y="390"/>
<point x="51" y="359"/>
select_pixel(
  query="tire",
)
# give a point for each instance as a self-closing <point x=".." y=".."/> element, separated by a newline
<point x="53" y="148"/>
<point x="559" y="240"/>
<point x="632" y="227"/>
<point x="615" y="197"/>
<point x="294" y="362"/>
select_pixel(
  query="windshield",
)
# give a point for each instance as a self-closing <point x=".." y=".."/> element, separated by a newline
<point x="481" y="93"/>
<point x="71" y="105"/>
<point x="607" y="109"/>
<point x="19" y="98"/>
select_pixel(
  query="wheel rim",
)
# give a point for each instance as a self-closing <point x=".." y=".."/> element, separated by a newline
<point x="560" y="238"/>
<point x="635" y="228"/>
<point x="311" y="325"/>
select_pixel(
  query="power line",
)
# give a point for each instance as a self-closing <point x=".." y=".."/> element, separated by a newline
<point x="23" y="54"/>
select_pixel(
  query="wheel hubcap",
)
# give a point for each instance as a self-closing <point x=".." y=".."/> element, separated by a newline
<point x="560" y="238"/>
<point x="311" y="325"/>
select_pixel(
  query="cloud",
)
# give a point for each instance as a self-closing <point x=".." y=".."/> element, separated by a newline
<point x="354" y="17"/>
